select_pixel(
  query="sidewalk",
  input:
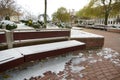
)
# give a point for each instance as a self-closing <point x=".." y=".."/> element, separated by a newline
<point x="112" y="40"/>
<point x="88" y="65"/>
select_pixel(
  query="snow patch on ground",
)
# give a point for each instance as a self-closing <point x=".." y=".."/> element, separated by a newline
<point x="76" y="69"/>
<point x="93" y="61"/>
<point x="78" y="60"/>
<point x="74" y="64"/>
<point x="57" y="64"/>
<point x="54" y="65"/>
<point x="81" y="54"/>
<point x="110" y="54"/>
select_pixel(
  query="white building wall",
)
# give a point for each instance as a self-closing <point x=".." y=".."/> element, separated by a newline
<point x="14" y="18"/>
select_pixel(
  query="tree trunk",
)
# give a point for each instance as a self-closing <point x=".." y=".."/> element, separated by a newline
<point x="45" y="14"/>
<point x="106" y="18"/>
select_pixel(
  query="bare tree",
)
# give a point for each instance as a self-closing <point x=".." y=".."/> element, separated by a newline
<point x="27" y="15"/>
<point x="8" y="8"/>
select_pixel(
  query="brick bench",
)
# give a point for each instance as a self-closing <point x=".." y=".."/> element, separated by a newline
<point x="16" y="56"/>
<point x="9" y="59"/>
<point x="31" y="37"/>
<point x="50" y="49"/>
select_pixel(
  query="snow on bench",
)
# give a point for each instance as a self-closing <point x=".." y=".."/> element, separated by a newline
<point x="13" y="57"/>
<point x="50" y="49"/>
<point x="10" y="58"/>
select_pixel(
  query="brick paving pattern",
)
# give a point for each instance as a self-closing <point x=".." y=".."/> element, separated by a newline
<point x="112" y="40"/>
<point x="96" y="68"/>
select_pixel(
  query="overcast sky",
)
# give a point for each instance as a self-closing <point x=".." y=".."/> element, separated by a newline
<point x="37" y="6"/>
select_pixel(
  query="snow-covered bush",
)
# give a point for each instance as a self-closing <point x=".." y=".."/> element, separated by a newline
<point x="7" y="18"/>
<point x="116" y="27"/>
<point x="36" y="25"/>
<point x="61" y="25"/>
<point x="64" y="25"/>
<point x="9" y="25"/>
<point x="32" y="23"/>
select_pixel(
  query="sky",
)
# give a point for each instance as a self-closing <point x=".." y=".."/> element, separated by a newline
<point x="36" y="7"/>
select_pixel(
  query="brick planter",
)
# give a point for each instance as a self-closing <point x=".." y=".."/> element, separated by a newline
<point x="91" y="43"/>
<point x="2" y="38"/>
<point x="38" y="35"/>
<point x="114" y="30"/>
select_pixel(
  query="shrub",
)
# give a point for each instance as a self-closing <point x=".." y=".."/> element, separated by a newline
<point x="7" y="18"/>
<point x="68" y="26"/>
<point x="36" y="25"/>
<point x="41" y="23"/>
<point x="23" y="21"/>
<point x="29" y="23"/>
<point x="61" y="25"/>
<point x="9" y="25"/>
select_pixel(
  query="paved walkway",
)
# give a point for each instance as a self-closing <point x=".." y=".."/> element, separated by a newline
<point x="112" y="40"/>
<point x="91" y="65"/>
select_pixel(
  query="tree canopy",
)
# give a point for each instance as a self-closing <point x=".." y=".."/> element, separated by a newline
<point x="8" y="8"/>
<point x="100" y="9"/>
<point x="62" y="15"/>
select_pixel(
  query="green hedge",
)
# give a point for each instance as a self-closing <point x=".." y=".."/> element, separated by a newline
<point x="36" y="25"/>
<point x="10" y="27"/>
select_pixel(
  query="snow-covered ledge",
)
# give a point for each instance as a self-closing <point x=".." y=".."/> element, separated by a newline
<point x="13" y="57"/>
<point x="9" y="59"/>
<point x="91" y="40"/>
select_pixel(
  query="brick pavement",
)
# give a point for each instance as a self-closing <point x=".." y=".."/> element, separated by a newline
<point x="112" y="40"/>
<point x="96" y="67"/>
